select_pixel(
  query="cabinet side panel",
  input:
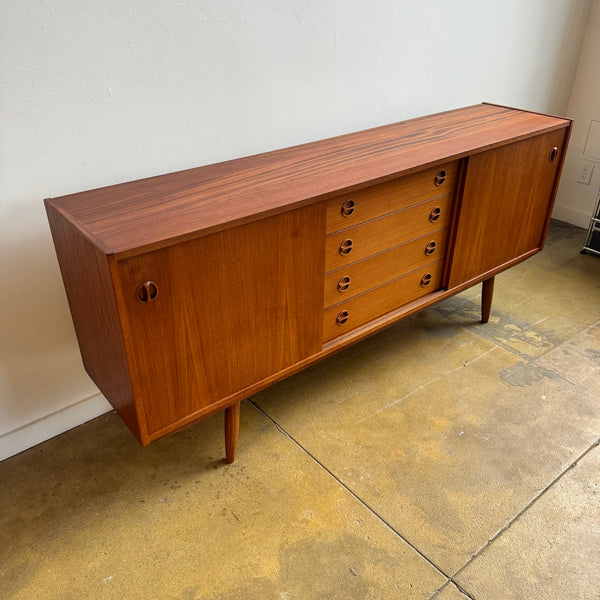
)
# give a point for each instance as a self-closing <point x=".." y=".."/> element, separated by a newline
<point x="505" y="205"/>
<point x="88" y="284"/>
<point x="231" y="309"/>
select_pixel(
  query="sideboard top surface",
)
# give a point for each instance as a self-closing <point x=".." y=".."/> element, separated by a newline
<point x="133" y="217"/>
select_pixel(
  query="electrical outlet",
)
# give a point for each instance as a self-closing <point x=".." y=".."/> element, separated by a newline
<point x="585" y="174"/>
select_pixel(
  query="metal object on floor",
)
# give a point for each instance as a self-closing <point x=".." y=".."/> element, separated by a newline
<point x="592" y="241"/>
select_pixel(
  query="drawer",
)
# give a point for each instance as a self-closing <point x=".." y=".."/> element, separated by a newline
<point x="361" y="309"/>
<point x="347" y="282"/>
<point x="370" y="203"/>
<point x="345" y="247"/>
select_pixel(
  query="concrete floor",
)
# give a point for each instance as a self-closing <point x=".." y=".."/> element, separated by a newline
<point x="442" y="459"/>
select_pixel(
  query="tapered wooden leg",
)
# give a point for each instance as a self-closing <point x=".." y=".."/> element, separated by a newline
<point x="487" y="292"/>
<point x="232" y="428"/>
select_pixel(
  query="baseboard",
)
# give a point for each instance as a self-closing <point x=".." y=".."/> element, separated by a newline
<point x="570" y="215"/>
<point x="51" y="425"/>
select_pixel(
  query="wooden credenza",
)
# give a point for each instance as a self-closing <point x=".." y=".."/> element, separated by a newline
<point x="192" y="290"/>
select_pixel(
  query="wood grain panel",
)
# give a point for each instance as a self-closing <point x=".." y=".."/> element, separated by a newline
<point x="506" y="200"/>
<point x="193" y="289"/>
<point x="389" y="197"/>
<point x="134" y="217"/>
<point x="386" y="232"/>
<point x="88" y="284"/>
<point x="385" y="298"/>
<point x="384" y="266"/>
<point x="232" y="308"/>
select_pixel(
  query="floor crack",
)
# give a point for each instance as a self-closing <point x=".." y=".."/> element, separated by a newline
<point x="515" y="518"/>
<point x="353" y="494"/>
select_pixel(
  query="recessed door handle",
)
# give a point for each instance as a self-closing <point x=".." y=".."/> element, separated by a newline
<point x="147" y="292"/>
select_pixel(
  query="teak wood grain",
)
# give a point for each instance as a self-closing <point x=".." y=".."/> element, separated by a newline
<point x="193" y="290"/>
<point x="385" y="298"/>
<point x="231" y="309"/>
<point x="387" y="231"/>
<point x="134" y="217"/>
<point x="232" y="429"/>
<point x="384" y="266"/>
<point x="487" y="293"/>
<point x="506" y="203"/>
<point x="87" y="278"/>
<point x="390" y="197"/>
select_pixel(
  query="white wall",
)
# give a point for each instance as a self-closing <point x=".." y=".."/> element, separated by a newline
<point x="575" y="201"/>
<point x="94" y="93"/>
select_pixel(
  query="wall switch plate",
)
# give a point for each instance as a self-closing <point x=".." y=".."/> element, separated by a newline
<point x="585" y="174"/>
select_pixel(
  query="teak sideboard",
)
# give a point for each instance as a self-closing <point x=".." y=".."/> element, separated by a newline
<point x="193" y="290"/>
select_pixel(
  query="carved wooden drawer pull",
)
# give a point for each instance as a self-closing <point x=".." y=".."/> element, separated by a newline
<point x="344" y="283"/>
<point x="430" y="248"/>
<point x="553" y="153"/>
<point x="435" y="214"/>
<point x="342" y="317"/>
<point x="426" y="280"/>
<point x="147" y="292"/>
<point x="346" y="247"/>
<point x="348" y="208"/>
<point x="440" y="177"/>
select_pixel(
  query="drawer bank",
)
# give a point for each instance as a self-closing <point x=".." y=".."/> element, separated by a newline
<point x="192" y="290"/>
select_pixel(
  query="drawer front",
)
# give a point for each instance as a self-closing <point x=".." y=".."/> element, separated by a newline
<point x="347" y="282"/>
<point x="348" y="246"/>
<point x="364" y="205"/>
<point x="361" y="309"/>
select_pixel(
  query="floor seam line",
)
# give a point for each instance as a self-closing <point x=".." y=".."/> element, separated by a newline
<point x="532" y="361"/>
<point x="462" y="590"/>
<point x="508" y="525"/>
<point x="527" y="359"/>
<point x="445" y="585"/>
<point x="425" y="385"/>
<point x="547" y="350"/>
<point x="510" y="349"/>
<point x="353" y="494"/>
